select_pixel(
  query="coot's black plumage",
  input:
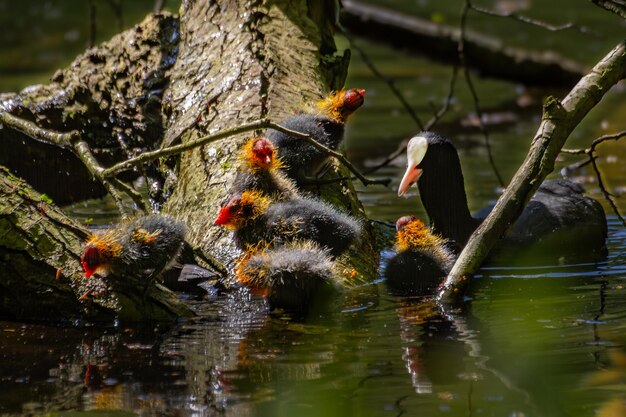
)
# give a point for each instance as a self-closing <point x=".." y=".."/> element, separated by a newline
<point x="421" y="262"/>
<point x="257" y="219"/>
<point x="557" y="209"/>
<point x="301" y="159"/>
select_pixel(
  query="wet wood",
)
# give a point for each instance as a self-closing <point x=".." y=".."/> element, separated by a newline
<point x="167" y="81"/>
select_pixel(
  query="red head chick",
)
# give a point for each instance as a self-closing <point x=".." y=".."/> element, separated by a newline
<point x="260" y="154"/>
<point x="341" y="104"/>
<point x="98" y="254"/>
<point x="242" y="208"/>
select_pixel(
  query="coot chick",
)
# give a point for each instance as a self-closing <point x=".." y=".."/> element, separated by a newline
<point x="145" y="246"/>
<point x="255" y="219"/>
<point x="558" y="216"/>
<point x="421" y="262"/>
<point x="290" y="276"/>
<point x="326" y="125"/>
<point x="259" y="170"/>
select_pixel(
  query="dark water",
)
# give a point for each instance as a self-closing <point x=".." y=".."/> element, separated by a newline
<point x="531" y="341"/>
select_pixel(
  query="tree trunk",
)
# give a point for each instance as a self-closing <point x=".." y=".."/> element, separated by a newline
<point x="36" y="240"/>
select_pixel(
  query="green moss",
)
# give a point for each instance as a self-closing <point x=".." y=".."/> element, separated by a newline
<point x="10" y="238"/>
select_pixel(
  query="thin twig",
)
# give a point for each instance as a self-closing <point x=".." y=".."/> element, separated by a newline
<point x="42" y="135"/>
<point x="82" y="150"/>
<point x="204" y="140"/>
<point x="380" y="181"/>
<point x="591" y="154"/>
<point x="470" y="84"/>
<point x="605" y="192"/>
<point x="387" y="80"/>
<point x="531" y="21"/>
<point x="391" y="157"/>
<point x="429" y="125"/>
<point x="446" y="104"/>
<point x="133" y="194"/>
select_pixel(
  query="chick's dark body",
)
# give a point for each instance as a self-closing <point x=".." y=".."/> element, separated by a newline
<point x="301" y="159"/>
<point x="300" y="219"/>
<point x="150" y="252"/>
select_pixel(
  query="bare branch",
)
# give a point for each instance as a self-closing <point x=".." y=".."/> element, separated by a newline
<point x="43" y="135"/>
<point x="591" y="153"/>
<point x="605" y="192"/>
<point x="470" y="85"/>
<point x="204" y="140"/>
<point x="387" y="80"/>
<point x="177" y="149"/>
<point x="72" y="140"/>
<point x="338" y="156"/>
<point x="544" y="25"/>
<point x="446" y="104"/>
<point x="82" y="150"/>
<point x="429" y="125"/>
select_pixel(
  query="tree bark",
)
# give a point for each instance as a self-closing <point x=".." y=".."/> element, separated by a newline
<point x="559" y="120"/>
<point x="36" y="240"/>
<point x="487" y="55"/>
